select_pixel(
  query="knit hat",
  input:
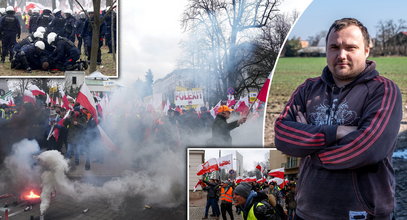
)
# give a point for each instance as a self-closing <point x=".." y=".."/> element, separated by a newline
<point x="243" y="189"/>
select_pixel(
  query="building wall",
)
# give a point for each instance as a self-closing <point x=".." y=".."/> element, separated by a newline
<point x="277" y="159"/>
<point x="196" y="157"/>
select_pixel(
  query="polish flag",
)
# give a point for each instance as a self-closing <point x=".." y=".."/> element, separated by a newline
<point x="279" y="181"/>
<point x="197" y="184"/>
<point x="106" y="140"/>
<point x="250" y="179"/>
<point x="259" y="167"/>
<point x="166" y="107"/>
<point x="207" y="167"/>
<point x="57" y="101"/>
<point x="242" y="105"/>
<point x="10" y="101"/>
<point x="262" y="180"/>
<point x="65" y="102"/>
<point x="55" y="132"/>
<point x="214" y="110"/>
<point x="263" y="94"/>
<point x="239" y="179"/>
<point x="48" y="100"/>
<point x="35" y="90"/>
<point x="277" y="173"/>
<point x="28" y="97"/>
<point x="85" y="99"/>
<point x="226" y="162"/>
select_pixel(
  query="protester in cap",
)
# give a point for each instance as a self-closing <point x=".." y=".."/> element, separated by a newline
<point x="226" y="198"/>
<point x="221" y="128"/>
<point x="254" y="205"/>
<point x="211" y="188"/>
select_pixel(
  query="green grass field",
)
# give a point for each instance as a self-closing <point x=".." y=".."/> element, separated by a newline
<point x="108" y="66"/>
<point x="291" y="72"/>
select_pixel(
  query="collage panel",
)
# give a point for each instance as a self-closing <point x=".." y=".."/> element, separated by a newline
<point x="89" y="146"/>
<point x="239" y="183"/>
<point x="336" y="109"/>
<point x="49" y="39"/>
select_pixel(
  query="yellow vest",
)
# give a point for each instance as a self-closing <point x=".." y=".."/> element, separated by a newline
<point x="250" y="215"/>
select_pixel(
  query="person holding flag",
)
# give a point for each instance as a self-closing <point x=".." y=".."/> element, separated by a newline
<point x="211" y="188"/>
<point x="221" y="128"/>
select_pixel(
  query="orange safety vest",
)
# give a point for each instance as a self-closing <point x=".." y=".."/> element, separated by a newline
<point x="226" y="196"/>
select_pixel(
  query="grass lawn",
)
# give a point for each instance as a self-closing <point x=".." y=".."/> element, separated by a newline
<point x="108" y="66"/>
<point x="291" y="72"/>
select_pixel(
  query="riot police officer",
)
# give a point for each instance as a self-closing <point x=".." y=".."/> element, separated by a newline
<point x="65" y="55"/>
<point x="10" y="29"/>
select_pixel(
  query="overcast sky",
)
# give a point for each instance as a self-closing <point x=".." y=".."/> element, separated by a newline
<point x="322" y="13"/>
<point x="150" y="33"/>
<point x="251" y="156"/>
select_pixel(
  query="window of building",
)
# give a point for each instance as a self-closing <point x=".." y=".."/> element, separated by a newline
<point x="73" y="80"/>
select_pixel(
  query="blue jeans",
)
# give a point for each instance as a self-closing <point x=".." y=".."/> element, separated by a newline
<point x="211" y="202"/>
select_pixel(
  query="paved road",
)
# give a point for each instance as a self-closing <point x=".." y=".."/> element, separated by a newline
<point x="197" y="210"/>
<point x="65" y="208"/>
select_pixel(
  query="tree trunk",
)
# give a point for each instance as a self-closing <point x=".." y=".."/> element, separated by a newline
<point x="95" y="36"/>
<point x="3" y="3"/>
<point x="109" y="3"/>
<point x="54" y="4"/>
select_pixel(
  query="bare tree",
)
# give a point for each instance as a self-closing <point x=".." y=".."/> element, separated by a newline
<point x="96" y="23"/>
<point x="3" y="3"/>
<point x="314" y="40"/>
<point x="386" y="30"/>
<point x="226" y="25"/>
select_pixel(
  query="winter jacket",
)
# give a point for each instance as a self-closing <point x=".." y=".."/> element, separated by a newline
<point x="355" y="172"/>
<point x="221" y="131"/>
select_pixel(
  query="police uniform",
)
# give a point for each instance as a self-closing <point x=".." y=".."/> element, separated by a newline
<point x="10" y="28"/>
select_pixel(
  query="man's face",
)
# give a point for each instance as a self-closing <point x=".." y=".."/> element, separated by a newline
<point x="226" y="114"/>
<point x="346" y="54"/>
<point x="238" y="199"/>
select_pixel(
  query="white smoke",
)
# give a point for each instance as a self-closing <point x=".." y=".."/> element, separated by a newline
<point x="19" y="171"/>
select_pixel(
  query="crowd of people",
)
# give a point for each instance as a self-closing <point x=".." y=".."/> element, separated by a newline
<point x="252" y="200"/>
<point x="55" y="39"/>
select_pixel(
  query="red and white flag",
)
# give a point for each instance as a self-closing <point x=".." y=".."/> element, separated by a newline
<point x="197" y="184"/>
<point x="65" y="102"/>
<point x="166" y="107"/>
<point x="35" y="90"/>
<point x="214" y="110"/>
<point x="28" y="97"/>
<point x="242" y="105"/>
<point x="262" y="180"/>
<point x="207" y="167"/>
<point x="85" y="99"/>
<point x="263" y="94"/>
<point x="249" y="179"/>
<point x="277" y="173"/>
<point x="239" y="179"/>
<point x="226" y="162"/>
<point x="106" y="139"/>
<point x="260" y="168"/>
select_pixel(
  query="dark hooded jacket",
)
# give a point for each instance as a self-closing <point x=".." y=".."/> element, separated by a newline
<point x="221" y="131"/>
<point x="355" y="172"/>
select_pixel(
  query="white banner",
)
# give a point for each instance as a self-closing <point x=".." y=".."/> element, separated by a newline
<point x="226" y="162"/>
<point x="189" y="97"/>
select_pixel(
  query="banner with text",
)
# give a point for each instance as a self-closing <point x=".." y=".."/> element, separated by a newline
<point x="189" y="97"/>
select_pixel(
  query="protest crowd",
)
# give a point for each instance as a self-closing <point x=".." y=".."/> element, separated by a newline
<point x="247" y="196"/>
<point x="55" y="39"/>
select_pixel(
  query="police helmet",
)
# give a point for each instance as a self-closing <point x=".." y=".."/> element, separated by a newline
<point x="9" y="8"/>
<point x="68" y="11"/>
<point x="39" y="44"/>
<point x="51" y="37"/>
<point x="40" y="29"/>
<point x="56" y="10"/>
<point x="90" y="10"/>
<point x="38" y="34"/>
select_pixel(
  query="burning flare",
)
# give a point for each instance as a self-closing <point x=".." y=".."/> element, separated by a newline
<point x="32" y="195"/>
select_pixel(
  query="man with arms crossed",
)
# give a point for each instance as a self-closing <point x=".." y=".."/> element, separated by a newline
<point x="344" y="126"/>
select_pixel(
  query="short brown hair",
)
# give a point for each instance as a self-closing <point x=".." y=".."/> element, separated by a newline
<point x="346" y="22"/>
